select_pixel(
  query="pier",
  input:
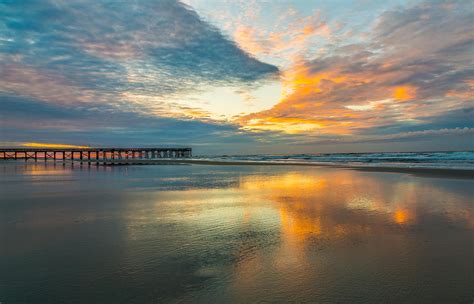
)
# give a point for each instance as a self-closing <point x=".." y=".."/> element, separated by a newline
<point x="97" y="156"/>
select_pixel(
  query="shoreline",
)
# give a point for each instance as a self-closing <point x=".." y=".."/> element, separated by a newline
<point x="433" y="172"/>
<point x="418" y="171"/>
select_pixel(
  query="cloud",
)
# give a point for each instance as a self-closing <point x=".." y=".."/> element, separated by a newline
<point x="100" y="72"/>
<point x="154" y="71"/>
<point x="157" y="48"/>
<point x="398" y="137"/>
<point x="414" y="68"/>
<point x="26" y="120"/>
<point x="286" y="42"/>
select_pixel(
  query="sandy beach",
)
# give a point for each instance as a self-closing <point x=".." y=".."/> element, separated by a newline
<point x="211" y="151"/>
<point x="243" y="233"/>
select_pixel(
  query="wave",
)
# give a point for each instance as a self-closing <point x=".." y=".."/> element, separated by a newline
<point x="454" y="160"/>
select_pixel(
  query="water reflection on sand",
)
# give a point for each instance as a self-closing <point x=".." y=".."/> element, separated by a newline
<point x="214" y="233"/>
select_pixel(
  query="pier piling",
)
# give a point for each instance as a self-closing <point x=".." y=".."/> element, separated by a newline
<point x="101" y="154"/>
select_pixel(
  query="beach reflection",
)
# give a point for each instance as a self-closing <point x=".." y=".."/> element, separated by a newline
<point x="284" y="230"/>
<point x="336" y="202"/>
<point x="236" y="234"/>
<point x="349" y="217"/>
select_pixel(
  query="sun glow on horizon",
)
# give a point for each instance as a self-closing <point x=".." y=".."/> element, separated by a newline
<point x="50" y="145"/>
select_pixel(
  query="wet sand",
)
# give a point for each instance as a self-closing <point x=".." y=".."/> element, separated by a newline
<point x="435" y="172"/>
<point x="233" y="234"/>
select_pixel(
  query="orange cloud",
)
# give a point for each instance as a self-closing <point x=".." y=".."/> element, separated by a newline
<point x="404" y="93"/>
<point x="351" y="88"/>
<point x="341" y="96"/>
<point x="304" y="109"/>
<point x="301" y="81"/>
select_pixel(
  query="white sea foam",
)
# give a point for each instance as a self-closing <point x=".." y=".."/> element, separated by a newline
<point x="451" y="160"/>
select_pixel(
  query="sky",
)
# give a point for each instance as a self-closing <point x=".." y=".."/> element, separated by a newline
<point x="239" y="77"/>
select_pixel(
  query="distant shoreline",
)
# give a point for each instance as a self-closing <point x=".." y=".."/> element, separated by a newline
<point x="439" y="172"/>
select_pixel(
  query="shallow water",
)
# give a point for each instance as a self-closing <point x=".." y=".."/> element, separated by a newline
<point x="233" y="234"/>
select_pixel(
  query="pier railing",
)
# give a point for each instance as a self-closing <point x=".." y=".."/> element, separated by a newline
<point x="92" y="155"/>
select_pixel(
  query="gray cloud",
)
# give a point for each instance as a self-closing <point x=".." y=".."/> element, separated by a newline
<point x="154" y="47"/>
<point x="27" y="120"/>
<point x="68" y="69"/>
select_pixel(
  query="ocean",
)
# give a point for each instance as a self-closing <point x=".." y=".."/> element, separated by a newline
<point x="448" y="160"/>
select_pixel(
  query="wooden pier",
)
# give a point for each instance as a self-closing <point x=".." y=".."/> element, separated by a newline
<point x="97" y="156"/>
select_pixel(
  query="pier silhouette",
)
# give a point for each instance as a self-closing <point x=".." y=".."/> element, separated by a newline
<point x="98" y="156"/>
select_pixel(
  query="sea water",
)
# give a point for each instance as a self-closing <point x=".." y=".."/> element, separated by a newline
<point x="448" y="160"/>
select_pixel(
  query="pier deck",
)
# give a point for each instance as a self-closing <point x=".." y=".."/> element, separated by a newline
<point x="90" y="156"/>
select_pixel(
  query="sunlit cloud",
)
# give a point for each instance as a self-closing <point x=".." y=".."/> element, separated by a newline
<point x="404" y="92"/>
<point x="382" y="82"/>
<point x="245" y="74"/>
<point x="372" y="105"/>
